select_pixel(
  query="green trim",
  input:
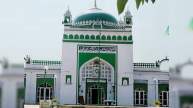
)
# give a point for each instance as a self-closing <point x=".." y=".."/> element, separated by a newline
<point x="108" y="37"/>
<point x="97" y="39"/>
<point x="42" y="81"/>
<point x="92" y="37"/>
<point x="108" y="42"/>
<point x="114" y="38"/>
<point x="163" y="87"/>
<point x="119" y="38"/>
<point x="76" y="37"/>
<point x="84" y="57"/>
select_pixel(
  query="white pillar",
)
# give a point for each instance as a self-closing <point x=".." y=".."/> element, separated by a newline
<point x="153" y="94"/>
<point x="125" y="93"/>
<point x="57" y="86"/>
<point x="30" y="90"/>
<point x="9" y="94"/>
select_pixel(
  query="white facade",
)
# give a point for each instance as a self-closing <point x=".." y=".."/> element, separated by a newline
<point x="96" y="66"/>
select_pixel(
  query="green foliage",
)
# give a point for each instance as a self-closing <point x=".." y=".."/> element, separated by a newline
<point x="157" y="103"/>
<point x="122" y="3"/>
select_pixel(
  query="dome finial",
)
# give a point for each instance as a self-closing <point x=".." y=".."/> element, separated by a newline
<point x="68" y="7"/>
<point x="95" y="4"/>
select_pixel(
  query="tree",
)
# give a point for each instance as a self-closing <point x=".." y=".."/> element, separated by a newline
<point x="122" y="3"/>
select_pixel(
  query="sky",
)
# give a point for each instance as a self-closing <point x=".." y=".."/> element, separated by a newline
<point x="34" y="27"/>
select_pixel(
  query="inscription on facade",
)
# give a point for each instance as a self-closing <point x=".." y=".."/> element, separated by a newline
<point x="96" y="49"/>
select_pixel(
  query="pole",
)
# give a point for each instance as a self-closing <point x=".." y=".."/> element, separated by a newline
<point x="45" y="69"/>
<point x="44" y="84"/>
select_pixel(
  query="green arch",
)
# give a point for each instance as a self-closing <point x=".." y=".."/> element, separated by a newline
<point x="87" y="37"/>
<point x="65" y="36"/>
<point x="109" y="57"/>
<point x="119" y="38"/>
<point x="124" y="37"/>
<point x="81" y="36"/>
<point x="130" y="37"/>
<point x="70" y="36"/>
<point x="103" y="37"/>
<point x="114" y="38"/>
<point x="98" y="37"/>
<point x="76" y="36"/>
<point x="108" y="37"/>
<point x="92" y="37"/>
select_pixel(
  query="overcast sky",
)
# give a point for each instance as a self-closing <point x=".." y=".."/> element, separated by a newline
<point x="35" y="27"/>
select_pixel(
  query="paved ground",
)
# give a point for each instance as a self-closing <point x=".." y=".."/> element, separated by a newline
<point x="86" y="106"/>
<point x="31" y="106"/>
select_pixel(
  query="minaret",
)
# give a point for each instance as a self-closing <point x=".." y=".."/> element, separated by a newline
<point x="67" y="18"/>
<point x="128" y="18"/>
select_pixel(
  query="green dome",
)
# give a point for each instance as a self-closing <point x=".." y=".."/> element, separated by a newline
<point x="95" y="16"/>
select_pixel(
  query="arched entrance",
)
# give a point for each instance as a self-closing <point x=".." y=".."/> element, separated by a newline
<point x="96" y="82"/>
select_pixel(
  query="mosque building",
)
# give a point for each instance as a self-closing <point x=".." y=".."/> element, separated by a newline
<point x="96" y="66"/>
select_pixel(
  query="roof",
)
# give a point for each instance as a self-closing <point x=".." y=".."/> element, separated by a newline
<point x="95" y="17"/>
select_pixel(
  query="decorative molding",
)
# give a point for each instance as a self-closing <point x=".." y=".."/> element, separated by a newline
<point x="145" y="65"/>
<point x="97" y="39"/>
<point x="45" y="62"/>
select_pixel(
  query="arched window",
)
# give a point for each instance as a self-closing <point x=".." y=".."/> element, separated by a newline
<point x="70" y="36"/>
<point x="87" y="37"/>
<point x="98" y="37"/>
<point x="65" y="36"/>
<point x="124" y="37"/>
<point x="76" y="36"/>
<point x="103" y="37"/>
<point x="81" y="36"/>
<point x="119" y="38"/>
<point x="130" y="37"/>
<point x="108" y="37"/>
<point x="92" y="37"/>
<point x="114" y="38"/>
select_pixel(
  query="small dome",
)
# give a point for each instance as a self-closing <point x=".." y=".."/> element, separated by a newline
<point x="96" y="16"/>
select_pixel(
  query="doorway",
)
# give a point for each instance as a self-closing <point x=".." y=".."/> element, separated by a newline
<point x="96" y="95"/>
<point x="44" y="93"/>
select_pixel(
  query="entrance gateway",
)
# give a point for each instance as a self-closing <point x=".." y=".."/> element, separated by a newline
<point x="96" y="74"/>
